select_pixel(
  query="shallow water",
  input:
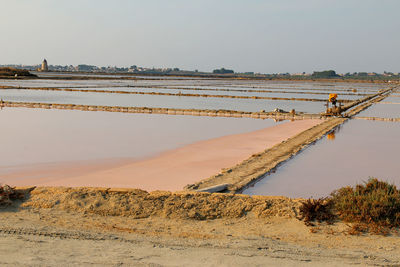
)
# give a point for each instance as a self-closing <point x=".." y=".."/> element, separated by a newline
<point x="360" y="149"/>
<point x="204" y="83"/>
<point x="32" y="136"/>
<point x="64" y="83"/>
<point x="382" y="110"/>
<point x="296" y="86"/>
<point x="391" y="99"/>
<point x="126" y="100"/>
<point x="113" y="82"/>
<point x="252" y="105"/>
<point x="293" y="94"/>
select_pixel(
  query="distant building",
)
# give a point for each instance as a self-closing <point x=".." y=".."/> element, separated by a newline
<point x="44" y="66"/>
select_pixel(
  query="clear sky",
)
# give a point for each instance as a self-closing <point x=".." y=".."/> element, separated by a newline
<point x="266" y="36"/>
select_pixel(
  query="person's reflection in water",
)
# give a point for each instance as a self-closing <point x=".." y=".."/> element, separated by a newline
<point x="331" y="136"/>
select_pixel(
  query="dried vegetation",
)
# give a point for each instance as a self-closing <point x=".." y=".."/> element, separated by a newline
<point x="319" y="210"/>
<point x="374" y="205"/>
<point x="8" y="195"/>
<point x="371" y="207"/>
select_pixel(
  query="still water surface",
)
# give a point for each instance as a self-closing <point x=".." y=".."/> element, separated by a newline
<point x="31" y="136"/>
<point x="360" y="149"/>
<point x="156" y="101"/>
<point x="382" y="110"/>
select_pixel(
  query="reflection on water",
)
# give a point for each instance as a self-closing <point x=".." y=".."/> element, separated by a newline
<point x="331" y="136"/>
<point x="361" y="149"/>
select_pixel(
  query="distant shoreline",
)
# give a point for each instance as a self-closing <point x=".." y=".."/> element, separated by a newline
<point x="162" y="76"/>
<point x="209" y="76"/>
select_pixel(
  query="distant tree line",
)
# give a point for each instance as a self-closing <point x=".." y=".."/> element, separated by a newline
<point x="325" y="74"/>
<point x="84" y="67"/>
<point x="222" y="71"/>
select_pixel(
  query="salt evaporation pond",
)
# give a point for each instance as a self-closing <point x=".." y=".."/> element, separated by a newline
<point x="391" y="99"/>
<point x="361" y="149"/>
<point x="202" y="83"/>
<point x="36" y="136"/>
<point x="156" y="101"/>
<point x="65" y="83"/>
<point x="296" y="86"/>
<point x="320" y="95"/>
<point x="382" y="110"/>
<point x="41" y="135"/>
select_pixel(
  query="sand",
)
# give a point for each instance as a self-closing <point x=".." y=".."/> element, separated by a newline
<point x="79" y="227"/>
<point x="171" y="170"/>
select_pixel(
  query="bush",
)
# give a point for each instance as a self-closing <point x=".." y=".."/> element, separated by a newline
<point x="374" y="202"/>
<point x="317" y="210"/>
<point x="8" y="194"/>
<point x="371" y="207"/>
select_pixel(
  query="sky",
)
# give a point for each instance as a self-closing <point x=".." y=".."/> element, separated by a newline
<point x="265" y="36"/>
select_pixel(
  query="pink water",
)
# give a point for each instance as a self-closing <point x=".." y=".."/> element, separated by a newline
<point x="37" y="136"/>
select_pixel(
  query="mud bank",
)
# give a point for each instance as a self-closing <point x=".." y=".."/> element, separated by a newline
<point x="377" y="119"/>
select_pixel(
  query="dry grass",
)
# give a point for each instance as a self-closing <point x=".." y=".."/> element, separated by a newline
<point x="375" y="201"/>
<point x="371" y="207"/>
<point x="319" y="210"/>
<point x="9" y="194"/>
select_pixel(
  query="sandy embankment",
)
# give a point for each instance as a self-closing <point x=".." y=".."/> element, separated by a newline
<point x="75" y="226"/>
<point x="171" y="170"/>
